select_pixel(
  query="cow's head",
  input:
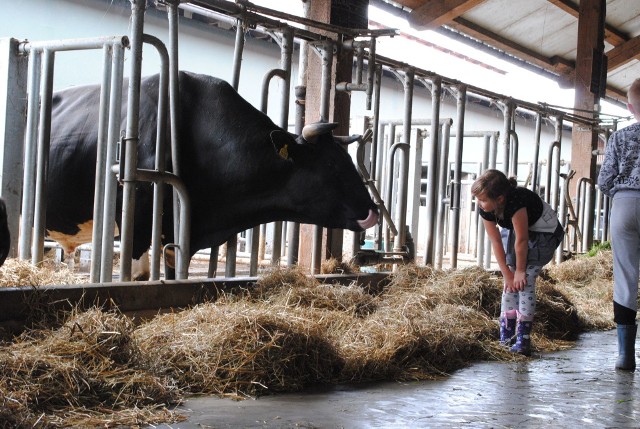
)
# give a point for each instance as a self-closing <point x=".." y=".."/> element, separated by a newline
<point x="325" y="188"/>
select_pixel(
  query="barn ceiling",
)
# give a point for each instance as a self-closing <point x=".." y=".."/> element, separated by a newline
<point x="541" y="33"/>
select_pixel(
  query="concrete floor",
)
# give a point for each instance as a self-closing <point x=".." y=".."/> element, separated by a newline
<point x="570" y="389"/>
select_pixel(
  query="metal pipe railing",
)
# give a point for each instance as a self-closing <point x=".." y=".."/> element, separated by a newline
<point x="584" y="198"/>
<point x="111" y="185"/>
<point x="160" y="163"/>
<point x="130" y="142"/>
<point x="37" y="137"/>
<point x="461" y="97"/>
<point x="443" y="200"/>
<point x="326" y="53"/>
<point x="432" y="194"/>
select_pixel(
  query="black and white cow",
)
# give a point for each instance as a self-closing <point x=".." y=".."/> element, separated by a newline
<point x="240" y="169"/>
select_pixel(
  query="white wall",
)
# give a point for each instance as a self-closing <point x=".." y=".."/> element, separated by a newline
<point x="209" y="50"/>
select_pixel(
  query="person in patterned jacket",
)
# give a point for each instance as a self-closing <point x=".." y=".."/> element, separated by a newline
<point x="528" y="236"/>
<point x="619" y="178"/>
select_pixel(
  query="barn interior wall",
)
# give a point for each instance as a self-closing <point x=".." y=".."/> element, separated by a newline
<point x="206" y="49"/>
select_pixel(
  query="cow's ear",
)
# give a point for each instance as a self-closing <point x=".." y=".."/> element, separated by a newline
<point x="281" y="141"/>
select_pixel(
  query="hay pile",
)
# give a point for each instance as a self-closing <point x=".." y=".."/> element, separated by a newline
<point x="285" y="334"/>
<point x="16" y="272"/>
<point x="74" y="375"/>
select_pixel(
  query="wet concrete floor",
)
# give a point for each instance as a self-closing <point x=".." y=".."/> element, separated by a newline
<point x="570" y="389"/>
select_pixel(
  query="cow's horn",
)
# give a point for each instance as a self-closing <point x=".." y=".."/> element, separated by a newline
<point x="309" y="132"/>
<point x="348" y="139"/>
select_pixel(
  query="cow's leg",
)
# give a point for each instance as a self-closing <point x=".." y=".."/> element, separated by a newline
<point x="140" y="268"/>
<point x="69" y="258"/>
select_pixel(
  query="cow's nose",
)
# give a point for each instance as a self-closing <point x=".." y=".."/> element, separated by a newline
<point x="370" y="221"/>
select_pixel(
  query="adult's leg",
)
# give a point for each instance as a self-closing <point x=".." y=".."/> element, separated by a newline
<point x="625" y="237"/>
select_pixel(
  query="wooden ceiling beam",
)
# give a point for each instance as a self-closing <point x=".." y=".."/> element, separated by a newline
<point x="612" y="35"/>
<point x="432" y="14"/>
<point x="620" y="55"/>
<point x="554" y="64"/>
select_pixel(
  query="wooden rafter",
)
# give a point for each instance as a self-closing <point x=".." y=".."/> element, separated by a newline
<point x="554" y="64"/>
<point x="612" y="35"/>
<point x="624" y="53"/>
<point x="433" y="14"/>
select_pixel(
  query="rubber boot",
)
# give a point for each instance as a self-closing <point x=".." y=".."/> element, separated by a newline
<point x="507" y="331"/>
<point x="626" y="347"/>
<point x="523" y="338"/>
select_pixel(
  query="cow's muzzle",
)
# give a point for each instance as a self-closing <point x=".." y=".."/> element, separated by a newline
<point x="370" y="221"/>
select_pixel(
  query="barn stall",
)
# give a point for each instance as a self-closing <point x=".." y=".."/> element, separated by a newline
<point x="422" y="208"/>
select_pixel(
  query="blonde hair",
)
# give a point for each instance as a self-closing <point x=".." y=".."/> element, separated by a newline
<point x="493" y="183"/>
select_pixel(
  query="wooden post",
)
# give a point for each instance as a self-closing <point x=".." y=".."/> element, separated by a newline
<point x="351" y="14"/>
<point x="589" y="85"/>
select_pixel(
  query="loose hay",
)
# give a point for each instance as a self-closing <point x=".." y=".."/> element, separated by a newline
<point x="91" y="362"/>
<point x="284" y="334"/>
<point x="16" y="272"/>
<point x="239" y="349"/>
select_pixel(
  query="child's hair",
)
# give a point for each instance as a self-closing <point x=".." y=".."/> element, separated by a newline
<point x="493" y="183"/>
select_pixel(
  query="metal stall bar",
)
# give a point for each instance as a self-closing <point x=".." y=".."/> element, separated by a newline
<point x="237" y="53"/>
<point x="258" y="237"/>
<point x="461" y="97"/>
<point x="513" y="148"/>
<point x="490" y="139"/>
<point x="585" y="206"/>
<point x="401" y="237"/>
<point x="174" y="103"/>
<point x="508" y="107"/>
<point x="435" y="88"/>
<point x="391" y="161"/>
<point x="414" y="187"/>
<point x="293" y="230"/>
<point x="536" y="154"/>
<point x="184" y="245"/>
<point x="285" y="40"/>
<point x="232" y="243"/>
<point x="443" y="201"/>
<point x="551" y="199"/>
<point x="101" y="154"/>
<point x="44" y="134"/>
<point x="37" y="154"/>
<point x="493" y="155"/>
<point x="111" y="184"/>
<point x="480" y="232"/>
<point x="13" y="105"/>
<point x="219" y="10"/>
<point x="326" y="52"/>
<point x="375" y="125"/>
<point x="30" y="151"/>
<point x="160" y="164"/>
<point x="113" y="65"/>
<point x="130" y="142"/>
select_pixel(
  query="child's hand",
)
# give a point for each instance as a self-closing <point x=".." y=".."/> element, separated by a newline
<point x="519" y="280"/>
<point x="515" y="282"/>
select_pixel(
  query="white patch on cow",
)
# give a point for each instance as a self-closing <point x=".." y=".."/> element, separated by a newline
<point x="70" y="242"/>
<point x="140" y="268"/>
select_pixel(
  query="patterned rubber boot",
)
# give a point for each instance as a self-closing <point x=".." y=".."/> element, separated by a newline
<point x="626" y="347"/>
<point x="523" y="338"/>
<point x="507" y="331"/>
